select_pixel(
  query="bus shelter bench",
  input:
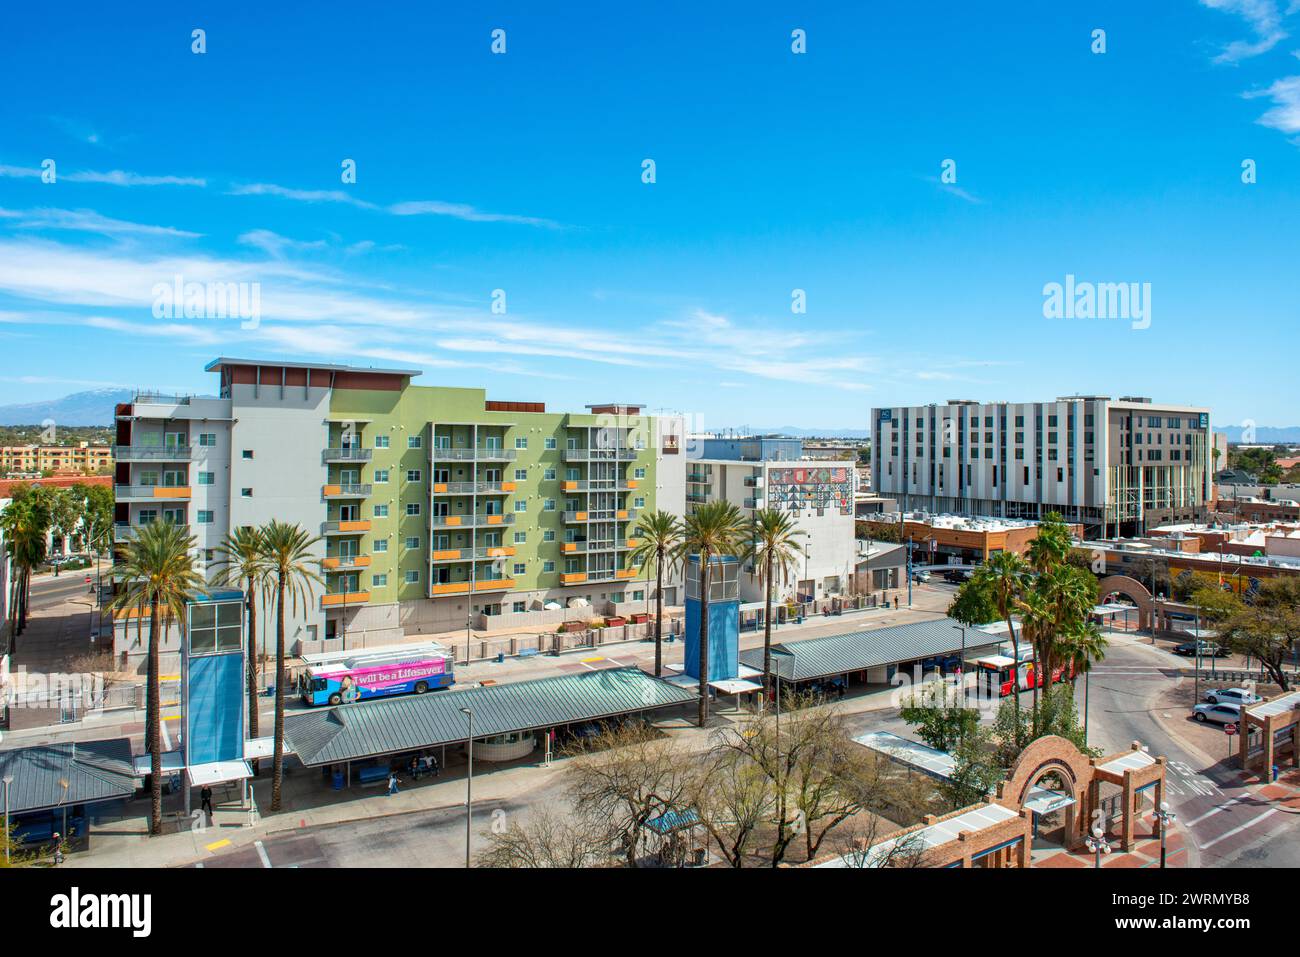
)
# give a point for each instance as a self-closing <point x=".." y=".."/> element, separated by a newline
<point x="528" y="652"/>
<point x="373" y="774"/>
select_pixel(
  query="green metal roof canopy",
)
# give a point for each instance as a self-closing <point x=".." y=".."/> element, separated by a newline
<point x="858" y="650"/>
<point x="62" y="775"/>
<point x="370" y="729"/>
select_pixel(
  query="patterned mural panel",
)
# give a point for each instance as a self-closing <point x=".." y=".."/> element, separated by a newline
<point x="816" y="487"/>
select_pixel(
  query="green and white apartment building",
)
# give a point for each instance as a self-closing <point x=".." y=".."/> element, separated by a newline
<point x="437" y="508"/>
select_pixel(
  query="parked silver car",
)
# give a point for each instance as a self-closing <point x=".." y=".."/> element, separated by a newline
<point x="1217" y="713"/>
<point x="1232" y="696"/>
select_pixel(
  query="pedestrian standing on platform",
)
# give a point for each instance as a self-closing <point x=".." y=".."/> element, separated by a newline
<point x="392" y="783"/>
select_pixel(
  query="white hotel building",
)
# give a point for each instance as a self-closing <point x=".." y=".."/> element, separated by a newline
<point x="1115" y="466"/>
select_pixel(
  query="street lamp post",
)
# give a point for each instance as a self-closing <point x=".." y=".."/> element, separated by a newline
<point x="1166" y="818"/>
<point x="961" y="675"/>
<point x="8" y="780"/>
<point x="469" y="784"/>
<point x="1098" y="844"/>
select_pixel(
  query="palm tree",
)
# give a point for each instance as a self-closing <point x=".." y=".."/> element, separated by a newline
<point x="712" y="530"/>
<point x="772" y="548"/>
<point x="1004" y="574"/>
<point x="658" y="539"/>
<point x="243" y="563"/>
<point x="156" y="572"/>
<point x="287" y="550"/>
<point x="25" y="522"/>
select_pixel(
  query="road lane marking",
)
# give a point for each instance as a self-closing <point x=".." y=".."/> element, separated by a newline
<point x="1237" y="830"/>
<point x="261" y="852"/>
<point x="217" y="845"/>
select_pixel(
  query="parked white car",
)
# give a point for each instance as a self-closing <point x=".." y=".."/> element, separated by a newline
<point x="1231" y="696"/>
<point x="1217" y="713"/>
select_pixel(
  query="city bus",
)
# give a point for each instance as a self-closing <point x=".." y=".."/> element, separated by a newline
<point x="342" y="677"/>
<point x="1000" y="672"/>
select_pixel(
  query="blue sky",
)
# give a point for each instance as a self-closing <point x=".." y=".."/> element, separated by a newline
<point x="775" y="172"/>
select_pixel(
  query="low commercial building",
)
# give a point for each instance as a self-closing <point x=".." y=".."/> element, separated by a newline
<point x="80" y="459"/>
<point x="954" y="539"/>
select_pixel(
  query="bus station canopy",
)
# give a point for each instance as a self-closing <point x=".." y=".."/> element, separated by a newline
<point x="370" y="729"/>
<point x="913" y="754"/>
<point x="833" y="655"/>
<point x="49" y="776"/>
<point x="1112" y="608"/>
<point x="218" y="772"/>
<point x="1042" y="800"/>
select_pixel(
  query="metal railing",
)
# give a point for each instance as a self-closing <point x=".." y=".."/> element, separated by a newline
<point x="472" y="521"/>
<point x="473" y="455"/>
<point x="350" y="453"/>
<point x="625" y="452"/>
<point x="153" y="453"/>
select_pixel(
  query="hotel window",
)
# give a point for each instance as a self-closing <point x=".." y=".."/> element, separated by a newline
<point x="208" y="439"/>
<point x="519" y="606"/>
<point x="412" y="508"/>
<point x="548" y="566"/>
<point x="412" y="542"/>
<point x="204" y="516"/>
<point x="521" y="442"/>
<point x="248" y="453"/>
<point x="379" y="581"/>
<point x="520" y="568"/>
<point x="413" y="441"/>
<point x="521" y="506"/>
<point x="521" y="475"/>
<point x="548" y="505"/>
<point x="550" y="442"/>
<point x="549" y="475"/>
<point x="638" y="473"/>
<point x="381" y="511"/>
<point x="206" y="478"/>
<point x="246" y="492"/>
<point x="521" y="537"/>
<point x="413" y="577"/>
<point x="381" y="476"/>
<point x="413" y="475"/>
<point x="380" y="545"/>
<point x="381" y="441"/>
<point x="638" y="502"/>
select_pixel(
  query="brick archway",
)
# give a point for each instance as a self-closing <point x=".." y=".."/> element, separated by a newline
<point x="1044" y="756"/>
<point x="1130" y="588"/>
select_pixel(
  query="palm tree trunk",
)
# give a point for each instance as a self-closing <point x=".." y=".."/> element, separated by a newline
<point x="153" y="722"/>
<point x="767" y="629"/>
<point x="277" y="766"/>
<point x="659" y="614"/>
<point x="1015" y="684"/>
<point x="252" y="667"/>
<point x="704" y="639"/>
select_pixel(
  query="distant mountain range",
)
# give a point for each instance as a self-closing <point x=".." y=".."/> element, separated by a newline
<point x="1264" y="434"/>
<point x="81" y="408"/>
<point x="797" y="433"/>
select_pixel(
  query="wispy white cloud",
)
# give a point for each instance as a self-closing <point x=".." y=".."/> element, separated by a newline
<point x="424" y="207"/>
<point x="1265" y="19"/>
<point x="88" y="221"/>
<point x="275" y="245"/>
<point x="116" y="177"/>
<point x="1284" y="115"/>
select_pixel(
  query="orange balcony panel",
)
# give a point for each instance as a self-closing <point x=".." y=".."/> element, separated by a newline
<point x="332" y="490"/>
<point x="439" y="487"/>
<point x="621" y="513"/>
<point x="632" y="543"/>
<point x="452" y="588"/>
<point x="360" y="525"/>
<point x="354" y="561"/>
<point x="446" y="555"/>
<point x="581" y="516"/>
<point x="625" y="573"/>
<point x="494" y="519"/>
<point x="507" y="486"/>
<point x="345" y="598"/>
<point x="162" y="491"/>
<point x="501" y="552"/>
<point x="495" y="584"/>
<point x="453" y="519"/>
<point x="570" y="486"/>
<point x="573" y="578"/>
<point x="570" y="546"/>
<point x="631" y="483"/>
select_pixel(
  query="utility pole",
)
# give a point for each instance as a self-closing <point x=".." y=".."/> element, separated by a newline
<point x="469" y="785"/>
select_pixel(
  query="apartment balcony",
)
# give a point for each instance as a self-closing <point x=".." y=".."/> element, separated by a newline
<point x="152" y="453"/>
<point x="351" y="527"/>
<point x="151" y="493"/>
<point x="593" y="577"/>
<point x="438" y="589"/>
<point x="601" y="515"/>
<point x="340" y="599"/>
<point x="472" y="521"/>
<point x="473" y="455"/>
<point x="696" y="499"/>
<point x="470" y="554"/>
<point x="473" y="488"/>
<point x="696" y="478"/>
<point x="601" y="485"/>
<point x="349" y="453"/>
<point x="570" y="548"/>
<point x="344" y="563"/>
<point x="620" y="454"/>
<point x="345" y="491"/>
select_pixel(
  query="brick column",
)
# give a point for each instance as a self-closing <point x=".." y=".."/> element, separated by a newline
<point x="1130" y="800"/>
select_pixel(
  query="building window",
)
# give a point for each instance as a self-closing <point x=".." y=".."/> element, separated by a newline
<point x="248" y="453"/>
<point x="521" y="442"/>
<point x="413" y="441"/>
<point x="639" y="502"/>
<point x="638" y="596"/>
<point x="521" y="475"/>
<point x="548" y="535"/>
<point x="413" y="577"/>
<point x="206" y="478"/>
<point x="638" y="473"/>
<point x="548" y="505"/>
<point x="549" y="475"/>
<point x="381" y="511"/>
<point x="380" y="545"/>
<point x="204" y="516"/>
<point x="520" y="568"/>
<point x="381" y="441"/>
<point x="381" y="476"/>
<point x="519" y="607"/>
<point x="246" y="492"/>
<point x="208" y="439"/>
<point x="548" y="566"/>
<point x="412" y="542"/>
<point x="521" y="506"/>
<point x="412" y="508"/>
<point x="379" y="581"/>
<point x="550" y="442"/>
<point x="521" y="537"/>
<point x="413" y="475"/>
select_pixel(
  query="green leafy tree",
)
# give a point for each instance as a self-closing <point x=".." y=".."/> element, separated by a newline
<point x="712" y="530"/>
<point x="243" y="563"/>
<point x="156" y="572"/>
<point x="877" y="531"/>
<point x="291" y="566"/>
<point x="1268" y="628"/>
<point x="974" y="603"/>
<point x="26" y="523"/>
<point x="658" y="537"/>
<point x="772" y="546"/>
<point x="937" y="713"/>
<point x="66" y="510"/>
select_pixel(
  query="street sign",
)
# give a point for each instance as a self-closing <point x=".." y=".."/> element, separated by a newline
<point x="1229" y="729"/>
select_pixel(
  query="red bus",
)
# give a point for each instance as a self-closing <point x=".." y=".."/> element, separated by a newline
<point x="1000" y="671"/>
